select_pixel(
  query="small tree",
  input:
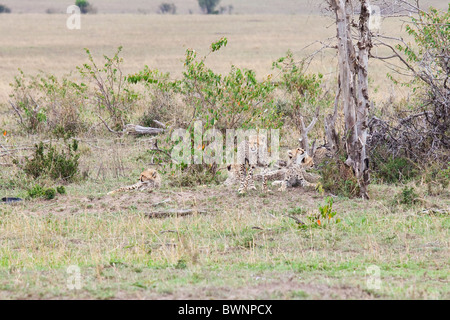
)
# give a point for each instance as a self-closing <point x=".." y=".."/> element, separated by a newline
<point x="167" y="8"/>
<point x="209" y="6"/>
<point x="85" y="6"/>
<point x="4" y="9"/>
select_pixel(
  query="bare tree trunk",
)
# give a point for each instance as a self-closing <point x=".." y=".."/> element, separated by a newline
<point x="304" y="140"/>
<point x="364" y="46"/>
<point x="332" y="138"/>
<point x="353" y="88"/>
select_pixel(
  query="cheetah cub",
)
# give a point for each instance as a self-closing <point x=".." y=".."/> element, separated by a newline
<point x="243" y="173"/>
<point x="298" y="162"/>
<point x="149" y="180"/>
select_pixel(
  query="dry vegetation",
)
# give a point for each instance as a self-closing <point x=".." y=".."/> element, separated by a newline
<point x="241" y="247"/>
<point x="233" y="246"/>
<point x="160" y="42"/>
<point x="184" y="6"/>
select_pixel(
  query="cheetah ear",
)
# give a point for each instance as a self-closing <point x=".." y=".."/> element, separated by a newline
<point x="154" y="174"/>
<point x="290" y="154"/>
<point x="229" y="167"/>
<point x="301" y="159"/>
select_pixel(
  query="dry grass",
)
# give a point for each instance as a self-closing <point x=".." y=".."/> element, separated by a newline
<point x="244" y="247"/>
<point x="35" y="42"/>
<point x="184" y="6"/>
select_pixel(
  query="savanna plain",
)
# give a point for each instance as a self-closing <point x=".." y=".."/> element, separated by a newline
<point x="232" y="246"/>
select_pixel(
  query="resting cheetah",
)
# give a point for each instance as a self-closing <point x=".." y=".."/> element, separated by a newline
<point x="149" y="179"/>
<point x="321" y="154"/>
<point x="298" y="161"/>
<point x="247" y="153"/>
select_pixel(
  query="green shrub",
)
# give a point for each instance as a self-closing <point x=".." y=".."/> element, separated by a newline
<point x="324" y="218"/>
<point x="338" y="179"/>
<point x="4" y="9"/>
<point x="209" y="6"/>
<point x="161" y="103"/>
<point x="49" y="193"/>
<point x="167" y="8"/>
<point x="47" y="160"/>
<point x="407" y="196"/>
<point x="85" y="6"/>
<point x="394" y="170"/>
<point x="111" y="96"/>
<point x="39" y="192"/>
<point x="36" y="192"/>
<point x="194" y="175"/>
<point x="231" y="101"/>
<point x="43" y="103"/>
<point x="302" y="93"/>
<point x="61" y="190"/>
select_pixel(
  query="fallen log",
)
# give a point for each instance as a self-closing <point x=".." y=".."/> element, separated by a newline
<point x="140" y="130"/>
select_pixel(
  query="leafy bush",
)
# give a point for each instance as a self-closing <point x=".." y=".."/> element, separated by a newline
<point x="422" y="130"/>
<point x="167" y="8"/>
<point x="162" y="102"/>
<point x="44" y="103"/>
<point x="236" y="100"/>
<point x="407" y="196"/>
<point x="338" y="178"/>
<point x="47" y="160"/>
<point x="61" y="190"/>
<point x="4" y="9"/>
<point x="193" y="175"/>
<point x="36" y="192"/>
<point x="85" y="6"/>
<point x="303" y="93"/>
<point x="39" y="192"/>
<point x="209" y="6"/>
<point x="50" y="194"/>
<point x="111" y="95"/>
<point x="394" y="170"/>
<point x="325" y="217"/>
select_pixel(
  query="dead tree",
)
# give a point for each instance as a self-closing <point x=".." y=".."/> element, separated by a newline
<point x="420" y="133"/>
<point x="353" y="87"/>
<point x="304" y="140"/>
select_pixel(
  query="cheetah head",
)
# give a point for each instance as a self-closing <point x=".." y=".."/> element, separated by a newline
<point x="255" y="141"/>
<point x="299" y="156"/>
<point x="149" y="175"/>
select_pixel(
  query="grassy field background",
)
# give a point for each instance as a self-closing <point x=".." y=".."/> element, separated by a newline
<point x="34" y="42"/>
<point x="185" y="6"/>
<point x="244" y="246"/>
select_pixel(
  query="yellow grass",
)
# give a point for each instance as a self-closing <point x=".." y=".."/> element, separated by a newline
<point x="244" y="247"/>
<point x="35" y="42"/>
<point x="186" y="6"/>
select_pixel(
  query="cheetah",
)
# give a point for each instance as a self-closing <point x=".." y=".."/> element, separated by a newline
<point x="321" y="154"/>
<point x="248" y="151"/>
<point x="148" y="180"/>
<point x="297" y="164"/>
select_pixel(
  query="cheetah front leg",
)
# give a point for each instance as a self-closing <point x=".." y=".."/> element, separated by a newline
<point x="243" y="177"/>
<point x="264" y="178"/>
<point x="284" y="183"/>
<point x="250" y="181"/>
<point x="309" y="185"/>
